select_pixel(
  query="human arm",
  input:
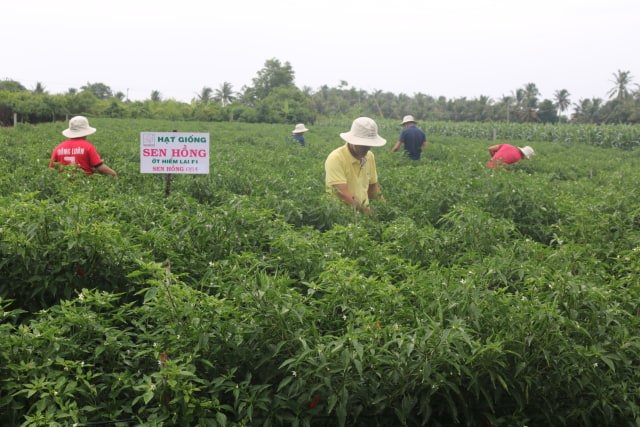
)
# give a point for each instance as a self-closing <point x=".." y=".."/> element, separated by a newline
<point x="396" y="146"/>
<point x="53" y="161"/>
<point x="493" y="149"/>
<point x="374" y="192"/>
<point x="343" y="193"/>
<point x="106" y="170"/>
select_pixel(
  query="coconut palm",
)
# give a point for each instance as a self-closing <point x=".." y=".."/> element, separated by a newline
<point x="562" y="102"/>
<point x="39" y="88"/>
<point x="224" y="94"/>
<point x="156" y="96"/>
<point x="508" y="102"/>
<point x="205" y="95"/>
<point x="622" y="80"/>
<point x="531" y="94"/>
<point x="587" y="110"/>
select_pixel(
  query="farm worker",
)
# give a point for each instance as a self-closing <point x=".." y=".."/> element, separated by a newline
<point x="507" y="154"/>
<point x="413" y="138"/>
<point x="77" y="150"/>
<point x="350" y="171"/>
<point x="298" y="133"/>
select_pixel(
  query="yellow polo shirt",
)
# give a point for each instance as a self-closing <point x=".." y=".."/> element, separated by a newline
<point x="342" y="168"/>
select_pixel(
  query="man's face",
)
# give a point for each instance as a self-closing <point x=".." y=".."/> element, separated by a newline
<point x="360" y="150"/>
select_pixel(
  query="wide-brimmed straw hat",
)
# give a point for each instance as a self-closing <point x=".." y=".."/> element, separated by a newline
<point x="408" y="119"/>
<point x="78" y="127"/>
<point x="364" y="131"/>
<point x="527" y="152"/>
<point x="299" y="128"/>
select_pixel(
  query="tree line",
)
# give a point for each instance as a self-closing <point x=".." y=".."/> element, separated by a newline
<point x="273" y="97"/>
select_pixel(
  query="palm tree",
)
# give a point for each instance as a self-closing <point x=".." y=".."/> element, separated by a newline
<point x="586" y="110"/>
<point x="225" y="94"/>
<point x="622" y="80"/>
<point x="205" y="95"/>
<point x="531" y="94"/>
<point x="508" y="102"/>
<point x="562" y="101"/>
<point x="156" y="96"/>
<point x="39" y="88"/>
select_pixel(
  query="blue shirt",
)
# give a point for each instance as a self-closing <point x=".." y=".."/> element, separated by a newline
<point x="413" y="137"/>
<point x="299" y="137"/>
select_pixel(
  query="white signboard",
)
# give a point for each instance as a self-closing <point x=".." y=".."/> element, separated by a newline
<point x="174" y="152"/>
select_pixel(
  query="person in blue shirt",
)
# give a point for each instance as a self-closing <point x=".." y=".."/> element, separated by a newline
<point x="298" y="133"/>
<point x="413" y="138"/>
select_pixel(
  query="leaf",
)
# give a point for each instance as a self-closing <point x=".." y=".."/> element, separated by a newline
<point x="285" y="381"/>
<point x="358" y="366"/>
<point x="221" y="419"/>
<point x="609" y="362"/>
<point x="331" y="402"/>
<point x="150" y="294"/>
<point x="358" y="348"/>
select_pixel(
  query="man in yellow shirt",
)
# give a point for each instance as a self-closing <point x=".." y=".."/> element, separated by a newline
<point x="350" y="171"/>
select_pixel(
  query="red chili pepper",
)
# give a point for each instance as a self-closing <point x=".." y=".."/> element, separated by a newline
<point x="314" y="402"/>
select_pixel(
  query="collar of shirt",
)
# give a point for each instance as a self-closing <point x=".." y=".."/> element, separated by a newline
<point x="354" y="160"/>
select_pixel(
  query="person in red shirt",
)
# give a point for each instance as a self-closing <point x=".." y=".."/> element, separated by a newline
<point x="507" y="154"/>
<point x="78" y="151"/>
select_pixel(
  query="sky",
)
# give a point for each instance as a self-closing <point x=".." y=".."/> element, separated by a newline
<point x="451" y="48"/>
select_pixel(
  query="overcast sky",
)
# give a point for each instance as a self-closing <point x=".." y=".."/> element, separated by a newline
<point x="452" y="48"/>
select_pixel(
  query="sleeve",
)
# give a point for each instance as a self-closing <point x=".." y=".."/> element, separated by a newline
<point x="334" y="172"/>
<point x="94" y="157"/>
<point x="403" y="135"/>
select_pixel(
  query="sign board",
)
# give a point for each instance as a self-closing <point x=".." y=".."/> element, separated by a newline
<point x="174" y="152"/>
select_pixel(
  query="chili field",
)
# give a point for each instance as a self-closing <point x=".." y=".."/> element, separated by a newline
<point x="473" y="297"/>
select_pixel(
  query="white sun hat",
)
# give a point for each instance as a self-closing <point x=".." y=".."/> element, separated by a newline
<point x="408" y="119"/>
<point x="78" y="127"/>
<point x="527" y="152"/>
<point x="300" y="128"/>
<point x="364" y="131"/>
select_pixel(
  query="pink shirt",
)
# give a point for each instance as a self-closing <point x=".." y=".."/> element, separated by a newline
<point x="506" y="154"/>
<point x="76" y="152"/>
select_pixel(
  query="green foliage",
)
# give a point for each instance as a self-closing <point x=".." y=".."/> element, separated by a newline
<point x="248" y="297"/>
<point x="547" y="112"/>
<point x="285" y="105"/>
<point x="11" y="86"/>
<point x="273" y="75"/>
<point x="99" y="90"/>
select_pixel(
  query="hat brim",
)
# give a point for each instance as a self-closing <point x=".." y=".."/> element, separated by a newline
<point x="69" y="133"/>
<point x="408" y="121"/>
<point x="299" y="130"/>
<point x="368" y="142"/>
<point x="527" y="152"/>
